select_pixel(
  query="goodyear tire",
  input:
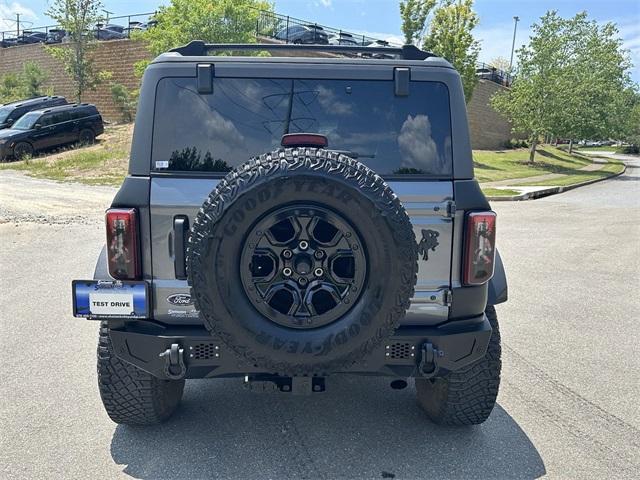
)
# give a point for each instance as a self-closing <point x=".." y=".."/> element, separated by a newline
<point x="339" y="227"/>
<point x="132" y="396"/>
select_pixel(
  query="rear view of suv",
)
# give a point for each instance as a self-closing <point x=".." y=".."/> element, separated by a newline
<point x="286" y="220"/>
<point x="49" y="128"/>
<point x="11" y="112"/>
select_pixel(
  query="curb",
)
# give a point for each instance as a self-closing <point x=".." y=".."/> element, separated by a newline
<point x="552" y="190"/>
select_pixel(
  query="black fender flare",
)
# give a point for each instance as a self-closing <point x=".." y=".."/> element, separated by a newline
<point x="101" y="271"/>
<point x="498" y="291"/>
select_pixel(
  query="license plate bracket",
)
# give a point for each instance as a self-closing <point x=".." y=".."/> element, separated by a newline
<point x="109" y="299"/>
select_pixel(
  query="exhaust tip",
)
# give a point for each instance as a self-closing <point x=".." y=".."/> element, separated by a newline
<point x="398" y="384"/>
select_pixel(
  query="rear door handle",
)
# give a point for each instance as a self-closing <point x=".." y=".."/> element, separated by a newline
<point x="180" y="229"/>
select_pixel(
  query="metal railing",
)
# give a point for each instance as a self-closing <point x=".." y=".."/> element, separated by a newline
<point x="11" y="38"/>
<point x="287" y="29"/>
<point x="486" y="71"/>
<point x="268" y="24"/>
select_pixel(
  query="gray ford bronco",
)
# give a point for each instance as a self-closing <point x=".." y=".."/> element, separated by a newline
<point x="288" y="219"/>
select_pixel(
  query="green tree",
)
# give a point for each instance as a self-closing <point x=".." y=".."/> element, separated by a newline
<point x="125" y="100"/>
<point x="413" y="14"/>
<point x="222" y="21"/>
<point x="500" y="63"/>
<point x="450" y="36"/>
<point x="534" y="98"/>
<point x="630" y="124"/>
<point x="570" y="81"/>
<point x="78" y="17"/>
<point x="10" y="88"/>
<point x="26" y="84"/>
<point x="33" y="78"/>
<point x="595" y="76"/>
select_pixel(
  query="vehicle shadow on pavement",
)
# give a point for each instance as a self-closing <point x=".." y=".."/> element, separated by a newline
<point x="359" y="428"/>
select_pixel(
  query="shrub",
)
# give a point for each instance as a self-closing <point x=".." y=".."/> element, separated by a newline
<point x="125" y="100"/>
<point x="515" y="143"/>
<point x="629" y="149"/>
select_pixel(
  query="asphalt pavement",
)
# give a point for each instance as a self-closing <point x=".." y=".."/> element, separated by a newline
<point x="568" y="404"/>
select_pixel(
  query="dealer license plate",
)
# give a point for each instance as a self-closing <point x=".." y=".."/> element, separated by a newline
<point x="97" y="299"/>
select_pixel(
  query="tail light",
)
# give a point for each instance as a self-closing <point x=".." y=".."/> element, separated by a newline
<point x="304" y="140"/>
<point x="122" y="243"/>
<point x="480" y="247"/>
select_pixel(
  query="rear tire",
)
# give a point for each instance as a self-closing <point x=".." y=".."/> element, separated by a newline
<point x="22" y="150"/>
<point x="466" y="396"/>
<point x="132" y="396"/>
<point x="86" y="137"/>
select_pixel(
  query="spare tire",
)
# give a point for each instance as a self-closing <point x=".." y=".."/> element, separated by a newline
<point x="302" y="261"/>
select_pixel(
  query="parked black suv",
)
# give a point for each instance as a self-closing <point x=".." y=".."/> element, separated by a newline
<point x="11" y="112"/>
<point x="52" y="127"/>
<point x="303" y="34"/>
<point x="285" y="220"/>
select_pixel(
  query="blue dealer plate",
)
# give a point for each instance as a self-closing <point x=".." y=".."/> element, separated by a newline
<point x="96" y="300"/>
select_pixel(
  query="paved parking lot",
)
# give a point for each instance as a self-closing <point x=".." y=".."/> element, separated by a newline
<point x="568" y="405"/>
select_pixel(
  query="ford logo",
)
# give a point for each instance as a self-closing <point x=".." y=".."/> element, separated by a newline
<point x="180" y="299"/>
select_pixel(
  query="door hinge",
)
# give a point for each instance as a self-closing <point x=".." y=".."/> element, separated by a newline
<point x="447" y="298"/>
<point x="439" y="297"/>
<point x="450" y="208"/>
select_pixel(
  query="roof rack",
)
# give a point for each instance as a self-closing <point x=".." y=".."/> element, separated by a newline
<point x="197" y="48"/>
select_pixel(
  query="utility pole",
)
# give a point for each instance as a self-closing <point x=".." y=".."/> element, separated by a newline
<point x="513" y="43"/>
<point x="17" y="24"/>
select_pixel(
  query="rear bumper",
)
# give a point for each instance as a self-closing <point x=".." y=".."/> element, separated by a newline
<point x="410" y="349"/>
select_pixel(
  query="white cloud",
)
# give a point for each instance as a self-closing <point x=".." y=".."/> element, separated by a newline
<point x="418" y="149"/>
<point x="324" y="3"/>
<point x="8" y="15"/>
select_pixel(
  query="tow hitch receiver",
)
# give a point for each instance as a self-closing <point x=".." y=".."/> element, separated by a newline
<point x="276" y="383"/>
<point x="428" y="366"/>
<point x="174" y="367"/>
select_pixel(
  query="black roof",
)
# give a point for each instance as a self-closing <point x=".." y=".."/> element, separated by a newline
<point x="33" y="101"/>
<point x="62" y="108"/>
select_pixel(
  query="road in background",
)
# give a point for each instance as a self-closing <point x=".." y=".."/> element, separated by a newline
<point x="568" y="405"/>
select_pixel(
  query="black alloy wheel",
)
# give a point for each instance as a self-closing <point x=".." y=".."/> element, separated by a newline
<point x="303" y="266"/>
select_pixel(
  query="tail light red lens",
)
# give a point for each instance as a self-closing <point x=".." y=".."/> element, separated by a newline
<point x="122" y="243"/>
<point x="304" y="140"/>
<point x="480" y="247"/>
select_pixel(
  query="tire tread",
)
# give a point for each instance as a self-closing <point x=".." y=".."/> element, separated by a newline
<point x="466" y="396"/>
<point x="130" y="395"/>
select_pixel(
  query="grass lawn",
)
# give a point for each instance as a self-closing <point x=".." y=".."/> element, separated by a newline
<point x="494" y="165"/>
<point x="499" y="192"/>
<point x="611" y="167"/>
<point x="104" y="163"/>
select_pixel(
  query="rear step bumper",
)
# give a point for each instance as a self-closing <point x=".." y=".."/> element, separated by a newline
<point x="190" y="352"/>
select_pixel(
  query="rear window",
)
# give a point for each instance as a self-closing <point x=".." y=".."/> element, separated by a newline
<point x="243" y="118"/>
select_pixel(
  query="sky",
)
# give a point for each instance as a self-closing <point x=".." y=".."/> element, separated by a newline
<point x="381" y="18"/>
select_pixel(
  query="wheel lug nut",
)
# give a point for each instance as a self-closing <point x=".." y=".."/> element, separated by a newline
<point x="318" y="254"/>
<point x="302" y="281"/>
<point x="287" y="254"/>
<point x="303" y="245"/>
<point x="287" y="272"/>
<point x="318" y="272"/>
